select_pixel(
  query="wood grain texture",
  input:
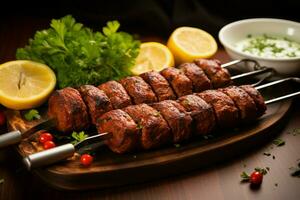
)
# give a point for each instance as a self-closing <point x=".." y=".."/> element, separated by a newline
<point x="217" y="181"/>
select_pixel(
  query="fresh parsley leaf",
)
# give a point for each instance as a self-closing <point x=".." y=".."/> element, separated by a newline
<point x="31" y="115"/>
<point x="278" y="142"/>
<point x="79" y="55"/>
<point x="245" y="176"/>
<point x="78" y="137"/>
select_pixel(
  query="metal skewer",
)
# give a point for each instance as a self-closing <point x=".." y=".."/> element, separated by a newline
<point x="234" y="62"/>
<point x="67" y="150"/>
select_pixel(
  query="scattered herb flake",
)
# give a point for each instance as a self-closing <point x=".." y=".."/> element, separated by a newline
<point x="266" y="154"/>
<point x="78" y="137"/>
<point x="32" y="114"/>
<point x="245" y="177"/>
<point x="273" y="157"/>
<point x="261" y="170"/>
<point x="276" y="184"/>
<point x="278" y="142"/>
<point x="268" y="168"/>
<point x="296" y="172"/>
<point x="177" y="145"/>
<point x="139" y="126"/>
<point x="244" y="165"/>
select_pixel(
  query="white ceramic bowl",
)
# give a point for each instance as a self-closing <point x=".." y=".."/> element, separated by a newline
<point x="234" y="32"/>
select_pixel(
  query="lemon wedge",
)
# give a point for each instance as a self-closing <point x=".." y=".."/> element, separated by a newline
<point x="189" y="43"/>
<point x="25" y="84"/>
<point x="153" y="56"/>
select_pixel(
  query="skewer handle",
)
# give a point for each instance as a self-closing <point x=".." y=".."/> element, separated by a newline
<point x="10" y="138"/>
<point x="49" y="156"/>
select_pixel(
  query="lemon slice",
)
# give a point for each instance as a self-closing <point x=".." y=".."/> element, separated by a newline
<point x="188" y="43"/>
<point x="25" y="84"/>
<point x="153" y="56"/>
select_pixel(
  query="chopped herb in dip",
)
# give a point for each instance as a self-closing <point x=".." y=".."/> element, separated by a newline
<point x="269" y="46"/>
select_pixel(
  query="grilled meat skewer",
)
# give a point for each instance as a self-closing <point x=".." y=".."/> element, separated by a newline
<point x="202" y="112"/>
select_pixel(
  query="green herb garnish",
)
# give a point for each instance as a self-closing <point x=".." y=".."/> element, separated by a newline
<point x="81" y="56"/>
<point x="139" y="126"/>
<point x="78" y="137"/>
<point x="261" y="170"/>
<point x="278" y="142"/>
<point x="245" y="177"/>
<point x="32" y="115"/>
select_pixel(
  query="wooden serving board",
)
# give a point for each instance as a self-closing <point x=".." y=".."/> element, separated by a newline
<point x="110" y="169"/>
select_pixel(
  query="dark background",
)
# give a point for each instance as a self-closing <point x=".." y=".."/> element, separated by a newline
<point x="152" y="17"/>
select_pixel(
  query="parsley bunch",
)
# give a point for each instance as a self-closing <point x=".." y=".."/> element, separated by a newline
<point x="79" y="55"/>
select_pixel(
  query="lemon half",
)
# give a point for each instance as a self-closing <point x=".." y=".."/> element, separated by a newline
<point x="25" y="84"/>
<point x="189" y="43"/>
<point x="153" y="56"/>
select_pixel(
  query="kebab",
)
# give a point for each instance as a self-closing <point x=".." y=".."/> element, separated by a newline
<point x="145" y="126"/>
<point x="149" y="87"/>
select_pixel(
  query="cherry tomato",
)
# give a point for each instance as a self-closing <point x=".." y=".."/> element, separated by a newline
<point x="44" y="137"/>
<point x="2" y="118"/>
<point x="49" y="145"/>
<point x="256" y="178"/>
<point x="86" y="160"/>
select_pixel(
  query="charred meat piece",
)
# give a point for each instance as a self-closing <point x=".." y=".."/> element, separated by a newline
<point x="227" y="114"/>
<point x="180" y="83"/>
<point x="154" y="130"/>
<point x="159" y="85"/>
<point x="138" y="90"/>
<point x="201" y="112"/>
<point x="68" y="108"/>
<point x="219" y="76"/>
<point x="257" y="98"/>
<point x="123" y="129"/>
<point x="177" y="118"/>
<point x="116" y="94"/>
<point x="197" y="76"/>
<point x="243" y="102"/>
<point x="96" y="101"/>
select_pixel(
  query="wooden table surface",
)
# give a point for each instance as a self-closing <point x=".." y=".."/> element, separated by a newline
<point x="219" y="181"/>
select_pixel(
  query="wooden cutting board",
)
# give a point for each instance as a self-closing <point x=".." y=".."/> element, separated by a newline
<point x="110" y="169"/>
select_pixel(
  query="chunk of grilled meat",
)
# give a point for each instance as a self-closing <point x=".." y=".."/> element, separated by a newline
<point x="243" y="102"/>
<point x="180" y="83"/>
<point x="154" y="130"/>
<point x="257" y="98"/>
<point x="227" y="114"/>
<point x="197" y="76"/>
<point x="69" y="110"/>
<point x="219" y="76"/>
<point x="138" y="90"/>
<point x="116" y="93"/>
<point x="201" y="112"/>
<point x="159" y="85"/>
<point x="124" y="131"/>
<point x="177" y="118"/>
<point x="96" y="101"/>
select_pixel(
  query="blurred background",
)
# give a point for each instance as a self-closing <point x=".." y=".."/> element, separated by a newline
<point x="152" y="17"/>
